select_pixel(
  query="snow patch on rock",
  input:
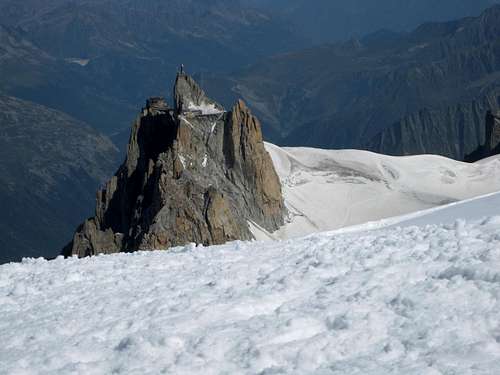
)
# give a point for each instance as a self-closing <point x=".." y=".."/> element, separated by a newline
<point x="78" y="61"/>
<point x="205" y="108"/>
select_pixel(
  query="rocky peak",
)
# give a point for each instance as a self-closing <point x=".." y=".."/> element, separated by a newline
<point x="195" y="173"/>
<point x="188" y="96"/>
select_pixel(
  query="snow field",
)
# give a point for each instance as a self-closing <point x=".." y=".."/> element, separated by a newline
<point x="326" y="190"/>
<point x="412" y="300"/>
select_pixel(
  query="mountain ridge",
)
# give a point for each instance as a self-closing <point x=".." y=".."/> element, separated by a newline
<point x="349" y="93"/>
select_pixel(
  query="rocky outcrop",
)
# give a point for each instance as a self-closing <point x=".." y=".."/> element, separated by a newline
<point x="491" y="144"/>
<point x="193" y="173"/>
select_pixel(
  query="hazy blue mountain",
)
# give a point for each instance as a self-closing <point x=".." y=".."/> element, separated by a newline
<point x="51" y="167"/>
<point x="345" y="95"/>
<point x="97" y="60"/>
<point x="329" y="20"/>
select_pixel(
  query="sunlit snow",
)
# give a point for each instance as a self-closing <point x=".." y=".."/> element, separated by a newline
<point x="412" y="300"/>
<point x="330" y="189"/>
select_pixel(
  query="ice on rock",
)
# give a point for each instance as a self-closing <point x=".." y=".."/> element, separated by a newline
<point x="205" y="108"/>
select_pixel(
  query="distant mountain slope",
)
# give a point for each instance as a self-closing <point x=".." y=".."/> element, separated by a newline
<point x="172" y="30"/>
<point x="329" y="20"/>
<point x="328" y="189"/>
<point x="30" y="73"/>
<point x="51" y="166"/>
<point x="346" y="95"/>
<point x="106" y="56"/>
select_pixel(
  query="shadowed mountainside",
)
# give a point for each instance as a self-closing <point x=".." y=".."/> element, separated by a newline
<point x="51" y="164"/>
<point x="330" y="20"/>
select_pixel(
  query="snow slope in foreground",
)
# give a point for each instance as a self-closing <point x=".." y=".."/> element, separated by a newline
<point x="471" y="209"/>
<point x="413" y="300"/>
<point x="329" y="189"/>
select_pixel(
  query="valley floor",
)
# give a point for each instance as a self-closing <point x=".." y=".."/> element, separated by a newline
<point x="400" y="300"/>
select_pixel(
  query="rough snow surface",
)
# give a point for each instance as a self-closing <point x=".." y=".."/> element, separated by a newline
<point x="413" y="300"/>
<point x="326" y="190"/>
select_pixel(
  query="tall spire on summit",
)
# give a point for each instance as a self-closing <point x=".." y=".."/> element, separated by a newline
<point x="188" y="95"/>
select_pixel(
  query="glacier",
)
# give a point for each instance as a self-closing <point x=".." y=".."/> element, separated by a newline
<point x="326" y="190"/>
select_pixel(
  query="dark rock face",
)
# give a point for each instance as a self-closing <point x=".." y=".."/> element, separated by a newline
<point x="493" y="133"/>
<point x="491" y="145"/>
<point x="193" y="173"/>
<point x="453" y="131"/>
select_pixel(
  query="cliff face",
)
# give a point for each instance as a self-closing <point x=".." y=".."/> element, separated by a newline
<point x="455" y="131"/>
<point x="491" y="145"/>
<point x="493" y="133"/>
<point x="193" y="173"/>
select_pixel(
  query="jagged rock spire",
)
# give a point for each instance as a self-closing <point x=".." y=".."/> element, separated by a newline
<point x="189" y="96"/>
<point x="199" y="176"/>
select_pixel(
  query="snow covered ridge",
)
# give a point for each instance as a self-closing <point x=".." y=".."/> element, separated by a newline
<point x="413" y="300"/>
<point x="326" y="190"/>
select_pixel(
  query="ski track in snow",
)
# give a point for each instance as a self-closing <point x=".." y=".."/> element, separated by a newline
<point x="412" y="300"/>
